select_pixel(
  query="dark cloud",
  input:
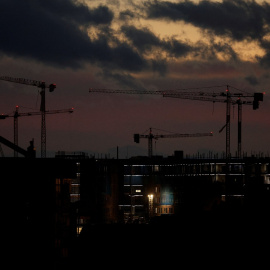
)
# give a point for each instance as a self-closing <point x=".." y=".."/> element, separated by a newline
<point x="252" y="80"/>
<point x="144" y="40"/>
<point x="73" y="11"/>
<point x="126" y="15"/>
<point x="176" y="48"/>
<point x="238" y="19"/>
<point x="226" y="49"/>
<point x="122" y="78"/>
<point x="213" y="49"/>
<point x="56" y="32"/>
<point x="128" y="59"/>
<point x="265" y="60"/>
<point x="159" y="66"/>
<point x="66" y="33"/>
<point x="150" y="45"/>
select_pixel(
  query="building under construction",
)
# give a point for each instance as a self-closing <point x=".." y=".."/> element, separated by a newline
<point x="52" y="201"/>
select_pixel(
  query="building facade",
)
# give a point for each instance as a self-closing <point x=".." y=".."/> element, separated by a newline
<point x="53" y="199"/>
<point x="169" y="186"/>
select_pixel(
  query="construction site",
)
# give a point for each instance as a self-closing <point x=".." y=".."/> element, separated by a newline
<point x="61" y="202"/>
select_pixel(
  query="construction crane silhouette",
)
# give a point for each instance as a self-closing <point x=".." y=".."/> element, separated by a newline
<point x="29" y="153"/>
<point x="224" y="97"/>
<point x="150" y="136"/>
<point x="18" y="114"/>
<point x="43" y="86"/>
<point x="126" y="91"/>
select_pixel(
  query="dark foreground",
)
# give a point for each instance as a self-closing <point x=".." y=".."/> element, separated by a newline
<point x="220" y="239"/>
<point x="169" y="242"/>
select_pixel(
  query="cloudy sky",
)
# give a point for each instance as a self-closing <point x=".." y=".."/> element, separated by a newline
<point x="133" y="44"/>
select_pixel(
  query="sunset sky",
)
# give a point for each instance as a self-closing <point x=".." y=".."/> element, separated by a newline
<point x="133" y="44"/>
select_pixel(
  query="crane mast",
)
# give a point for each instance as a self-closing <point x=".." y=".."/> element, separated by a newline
<point x="17" y="114"/>
<point x="228" y="99"/>
<point x="150" y="136"/>
<point x="239" y="125"/>
<point x="224" y="97"/>
<point x="43" y="86"/>
<point x="228" y="124"/>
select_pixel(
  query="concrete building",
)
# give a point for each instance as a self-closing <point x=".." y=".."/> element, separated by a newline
<point x="173" y="186"/>
<point x="49" y="202"/>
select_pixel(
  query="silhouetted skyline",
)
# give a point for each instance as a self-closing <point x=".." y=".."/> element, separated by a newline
<point x="136" y="44"/>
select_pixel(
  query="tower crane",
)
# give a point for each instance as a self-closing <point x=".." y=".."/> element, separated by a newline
<point x="18" y="114"/>
<point x="29" y="153"/>
<point x="127" y="91"/>
<point x="224" y="97"/>
<point x="43" y="86"/>
<point x="150" y="136"/>
<point x="228" y="99"/>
